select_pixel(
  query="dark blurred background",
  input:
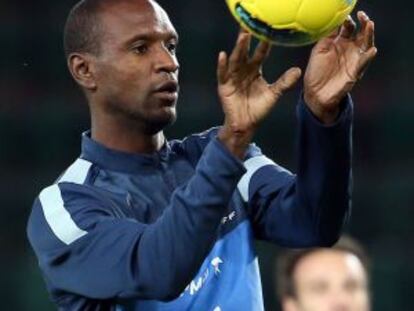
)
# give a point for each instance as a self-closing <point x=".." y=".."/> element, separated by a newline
<point x="42" y="115"/>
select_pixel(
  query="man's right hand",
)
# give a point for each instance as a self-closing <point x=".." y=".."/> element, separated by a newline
<point x="245" y="95"/>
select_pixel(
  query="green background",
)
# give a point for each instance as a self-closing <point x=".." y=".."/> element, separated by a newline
<point x="42" y="115"/>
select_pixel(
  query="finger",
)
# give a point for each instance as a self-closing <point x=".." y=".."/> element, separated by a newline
<point x="368" y="40"/>
<point x="363" y="19"/>
<point x="366" y="59"/>
<point x="261" y="53"/>
<point x="370" y="37"/>
<point x="325" y="43"/>
<point x="240" y="51"/>
<point x="222" y="68"/>
<point x="245" y="51"/>
<point x="348" y="28"/>
<point x="243" y="30"/>
<point x="366" y="34"/>
<point x="286" y="81"/>
<point x="333" y="34"/>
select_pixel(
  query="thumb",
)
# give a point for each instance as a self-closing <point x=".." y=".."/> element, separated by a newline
<point x="286" y="81"/>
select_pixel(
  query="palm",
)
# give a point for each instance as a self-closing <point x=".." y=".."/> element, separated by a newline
<point x="245" y="95"/>
<point x="338" y="61"/>
<point x="336" y="69"/>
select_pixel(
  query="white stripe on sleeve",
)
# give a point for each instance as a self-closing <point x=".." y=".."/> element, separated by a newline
<point x="77" y="172"/>
<point x="252" y="165"/>
<point x="58" y="218"/>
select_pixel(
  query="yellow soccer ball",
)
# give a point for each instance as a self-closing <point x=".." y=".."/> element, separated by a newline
<point x="290" y="22"/>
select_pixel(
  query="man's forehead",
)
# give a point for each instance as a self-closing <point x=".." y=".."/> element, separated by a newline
<point x="119" y="5"/>
<point x="136" y="16"/>
<point x="323" y="262"/>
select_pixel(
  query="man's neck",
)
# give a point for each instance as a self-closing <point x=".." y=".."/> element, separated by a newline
<point x="125" y="137"/>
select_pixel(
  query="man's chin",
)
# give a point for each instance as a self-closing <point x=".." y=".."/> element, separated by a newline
<point x="159" y="123"/>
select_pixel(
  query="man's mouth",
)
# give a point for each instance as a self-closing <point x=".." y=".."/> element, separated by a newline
<point x="167" y="90"/>
<point x="168" y="86"/>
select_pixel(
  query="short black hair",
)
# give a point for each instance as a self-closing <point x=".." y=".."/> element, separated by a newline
<point x="288" y="261"/>
<point x="83" y="29"/>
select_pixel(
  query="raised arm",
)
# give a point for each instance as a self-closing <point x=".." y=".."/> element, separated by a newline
<point x="246" y="97"/>
<point x="309" y="209"/>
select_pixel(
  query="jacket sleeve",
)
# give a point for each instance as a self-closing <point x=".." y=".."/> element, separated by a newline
<point x="85" y="249"/>
<point x="310" y="208"/>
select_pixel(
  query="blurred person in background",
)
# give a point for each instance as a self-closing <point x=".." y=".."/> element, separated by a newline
<point x="141" y="223"/>
<point x="324" y="279"/>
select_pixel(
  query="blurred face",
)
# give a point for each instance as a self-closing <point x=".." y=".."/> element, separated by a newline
<point x="137" y="69"/>
<point x="329" y="280"/>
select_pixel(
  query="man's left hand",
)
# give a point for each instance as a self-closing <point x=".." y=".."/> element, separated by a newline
<point x="336" y="63"/>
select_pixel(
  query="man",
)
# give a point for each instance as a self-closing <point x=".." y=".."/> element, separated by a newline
<point x="141" y="223"/>
<point x="325" y="279"/>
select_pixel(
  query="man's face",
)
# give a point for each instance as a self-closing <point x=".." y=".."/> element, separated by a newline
<point x="329" y="280"/>
<point x="137" y="69"/>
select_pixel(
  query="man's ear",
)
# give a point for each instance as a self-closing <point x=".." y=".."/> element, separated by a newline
<point x="82" y="68"/>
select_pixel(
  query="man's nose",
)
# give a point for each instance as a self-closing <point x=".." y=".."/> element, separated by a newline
<point x="166" y="61"/>
<point x="341" y="301"/>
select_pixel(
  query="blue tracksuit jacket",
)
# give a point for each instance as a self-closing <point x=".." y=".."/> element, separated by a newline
<point x="174" y="230"/>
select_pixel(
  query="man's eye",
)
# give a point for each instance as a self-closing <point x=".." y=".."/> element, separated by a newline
<point x="319" y="288"/>
<point x="172" y="47"/>
<point x="140" y="49"/>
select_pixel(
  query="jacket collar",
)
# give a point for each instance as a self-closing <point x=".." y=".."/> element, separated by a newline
<point x="111" y="159"/>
